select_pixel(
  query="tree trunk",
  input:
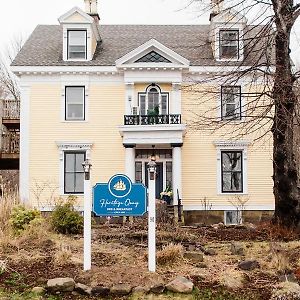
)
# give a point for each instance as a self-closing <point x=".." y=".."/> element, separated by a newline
<point x="286" y="175"/>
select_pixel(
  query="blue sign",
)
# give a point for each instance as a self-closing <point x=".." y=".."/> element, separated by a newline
<point x="119" y="197"/>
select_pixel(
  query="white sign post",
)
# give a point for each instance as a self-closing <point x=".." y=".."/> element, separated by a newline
<point x="87" y="223"/>
<point x="151" y="217"/>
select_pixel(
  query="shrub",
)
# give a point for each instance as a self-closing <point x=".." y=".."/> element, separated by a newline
<point x="169" y="254"/>
<point x="65" y="219"/>
<point x="22" y="216"/>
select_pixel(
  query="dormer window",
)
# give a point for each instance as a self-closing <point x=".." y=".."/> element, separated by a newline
<point x="77" y="44"/>
<point x="229" y="44"/>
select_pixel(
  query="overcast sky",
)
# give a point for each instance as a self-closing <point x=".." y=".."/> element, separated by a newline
<point x="19" y="17"/>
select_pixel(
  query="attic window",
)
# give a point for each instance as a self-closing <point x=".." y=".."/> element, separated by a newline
<point x="153" y="57"/>
<point x="229" y="44"/>
<point x="77" y="44"/>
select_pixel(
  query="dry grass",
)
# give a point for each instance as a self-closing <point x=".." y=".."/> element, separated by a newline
<point x="170" y="254"/>
<point x="63" y="255"/>
<point x="9" y="199"/>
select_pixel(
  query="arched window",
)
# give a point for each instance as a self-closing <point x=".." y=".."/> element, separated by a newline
<point x="153" y="101"/>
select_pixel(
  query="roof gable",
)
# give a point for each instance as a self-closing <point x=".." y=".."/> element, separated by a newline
<point x="151" y="48"/>
<point x="75" y="15"/>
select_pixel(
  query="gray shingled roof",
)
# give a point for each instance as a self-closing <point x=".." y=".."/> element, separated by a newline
<point x="44" y="46"/>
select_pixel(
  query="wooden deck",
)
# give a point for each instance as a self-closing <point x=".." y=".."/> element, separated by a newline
<point x="10" y="137"/>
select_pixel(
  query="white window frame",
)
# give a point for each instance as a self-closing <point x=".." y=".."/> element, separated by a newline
<point x="68" y="43"/>
<point x="232" y="146"/>
<point x="69" y="81"/>
<point x="67" y="103"/>
<point x="240" y="44"/>
<point x="70" y="147"/>
<point x="87" y="28"/>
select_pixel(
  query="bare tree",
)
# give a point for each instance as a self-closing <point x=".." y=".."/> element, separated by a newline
<point x="272" y="106"/>
<point x="8" y="83"/>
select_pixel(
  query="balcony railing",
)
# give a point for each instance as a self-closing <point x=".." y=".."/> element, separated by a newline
<point x="151" y="120"/>
<point x="10" y="143"/>
<point x="10" y="109"/>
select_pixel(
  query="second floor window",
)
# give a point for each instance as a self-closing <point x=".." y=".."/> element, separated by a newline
<point x="229" y="44"/>
<point x="231" y="102"/>
<point x="77" y="44"/>
<point x="154" y="102"/>
<point x="75" y="103"/>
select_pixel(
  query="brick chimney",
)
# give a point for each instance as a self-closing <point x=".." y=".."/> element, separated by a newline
<point x="92" y="10"/>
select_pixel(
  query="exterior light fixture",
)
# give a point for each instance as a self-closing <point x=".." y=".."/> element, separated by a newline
<point x="152" y="168"/>
<point x="87" y="169"/>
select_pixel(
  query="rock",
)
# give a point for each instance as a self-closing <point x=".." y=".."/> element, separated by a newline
<point x="100" y="290"/>
<point x="248" y="265"/>
<point x="232" y="279"/>
<point x="157" y="288"/>
<point x="38" y="290"/>
<point x="120" y="289"/>
<point x="288" y="277"/>
<point x="83" y="289"/>
<point x="193" y="256"/>
<point x="180" y="285"/>
<point x="210" y="252"/>
<point x="191" y="247"/>
<point x="286" y="291"/>
<point x="141" y="290"/>
<point x="201" y="265"/>
<point x="250" y="226"/>
<point x="60" y="285"/>
<point x="237" y="249"/>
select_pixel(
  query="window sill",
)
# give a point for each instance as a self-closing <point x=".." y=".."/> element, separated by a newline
<point x="229" y="59"/>
<point x="75" y="121"/>
<point x="233" y="194"/>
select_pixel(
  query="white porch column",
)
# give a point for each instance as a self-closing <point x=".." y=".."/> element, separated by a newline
<point x="24" y="143"/>
<point x="130" y="161"/>
<point x="176" y="171"/>
<point x="175" y="103"/>
<point x="129" y="98"/>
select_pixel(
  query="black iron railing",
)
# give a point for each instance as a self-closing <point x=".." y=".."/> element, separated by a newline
<point x="151" y="120"/>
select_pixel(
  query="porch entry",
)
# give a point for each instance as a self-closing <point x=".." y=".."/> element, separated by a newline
<point x="163" y="168"/>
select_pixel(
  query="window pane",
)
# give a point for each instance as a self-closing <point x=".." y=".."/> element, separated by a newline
<point x="138" y="171"/>
<point x="169" y="174"/>
<point x="142" y="104"/>
<point x="69" y="182"/>
<point x="79" y="182"/>
<point x="77" y="37"/>
<point x="164" y="104"/>
<point x="75" y="94"/>
<point x="75" y="111"/>
<point x="79" y="161"/>
<point x="231" y="101"/>
<point x="69" y="162"/>
<point x="232" y="161"/>
<point x="232" y="182"/>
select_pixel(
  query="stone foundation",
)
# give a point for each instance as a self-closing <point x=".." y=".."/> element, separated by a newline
<point x="216" y="216"/>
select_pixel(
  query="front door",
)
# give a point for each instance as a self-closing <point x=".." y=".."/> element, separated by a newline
<point x="159" y="184"/>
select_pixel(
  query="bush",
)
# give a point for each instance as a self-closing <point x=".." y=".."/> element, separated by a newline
<point x="22" y="216"/>
<point x="65" y="219"/>
<point x="169" y="254"/>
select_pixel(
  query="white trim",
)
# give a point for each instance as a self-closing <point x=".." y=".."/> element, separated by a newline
<point x="148" y="46"/>
<point x="24" y="142"/>
<point x="152" y="134"/>
<point x="75" y="81"/>
<point x="70" y="146"/>
<point x="49" y="208"/>
<point x="88" y="18"/>
<point x="235" y="146"/>
<point x="252" y="207"/>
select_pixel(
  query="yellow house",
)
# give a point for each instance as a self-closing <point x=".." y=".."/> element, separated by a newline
<point x="117" y="94"/>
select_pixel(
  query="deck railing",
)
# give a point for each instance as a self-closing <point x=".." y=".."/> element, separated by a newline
<point x="151" y="120"/>
<point x="10" y="143"/>
<point x="10" y="109"/>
